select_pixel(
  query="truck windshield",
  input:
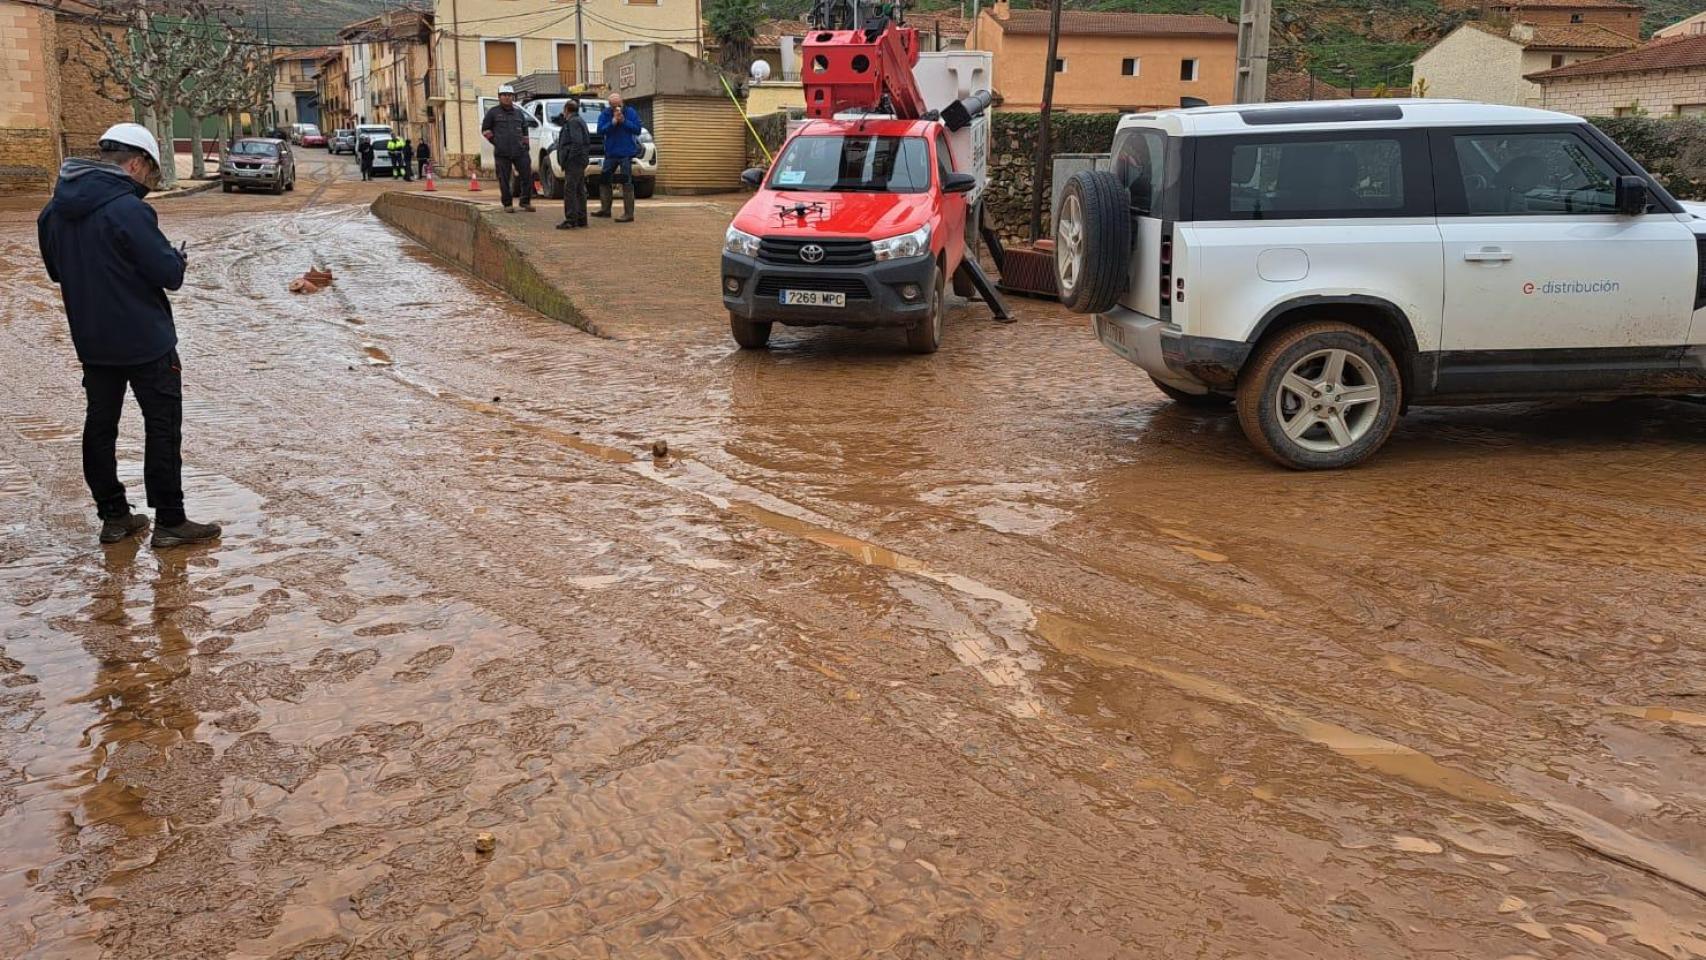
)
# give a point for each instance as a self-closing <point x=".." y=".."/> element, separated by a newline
<point x="853" y="162"/>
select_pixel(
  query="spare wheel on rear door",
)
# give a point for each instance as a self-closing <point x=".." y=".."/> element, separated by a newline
<point x="1092" y="242"/>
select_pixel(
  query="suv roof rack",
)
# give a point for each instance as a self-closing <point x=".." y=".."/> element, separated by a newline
<point x="1348" y="113"/>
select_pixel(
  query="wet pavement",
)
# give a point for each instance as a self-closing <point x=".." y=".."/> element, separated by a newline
<point x="992" y="653"/>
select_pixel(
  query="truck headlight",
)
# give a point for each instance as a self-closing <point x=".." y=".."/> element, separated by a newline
<point x="741" y="242"/>
<point x="914" y="244"/>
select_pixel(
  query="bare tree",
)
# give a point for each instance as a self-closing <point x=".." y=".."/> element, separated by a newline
<point x="237" y="81"/>
<point x="154" y="62"/>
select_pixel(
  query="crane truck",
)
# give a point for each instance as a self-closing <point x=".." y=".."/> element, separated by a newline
<point x="867" y="214"/>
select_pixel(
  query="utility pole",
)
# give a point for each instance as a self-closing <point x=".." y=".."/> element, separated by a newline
<point x="580" y="48"/>
<point x="1039" y="169"/>
<point x="1255" y="23"/>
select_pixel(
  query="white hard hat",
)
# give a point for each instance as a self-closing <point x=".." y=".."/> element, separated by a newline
<point x="506" y="88"/>
<point x="134" y="135"/>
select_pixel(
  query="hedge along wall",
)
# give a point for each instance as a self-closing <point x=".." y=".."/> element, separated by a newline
<point x="1673" y="150"/>
<point x="1013" y="148"/>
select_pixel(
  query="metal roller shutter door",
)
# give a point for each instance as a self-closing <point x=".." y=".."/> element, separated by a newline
<point x="701" y="144"/>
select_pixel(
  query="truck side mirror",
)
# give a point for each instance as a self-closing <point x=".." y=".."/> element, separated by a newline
<point x="1631" y="196"/>
<point x="959" y="183"/>
<point x="752" y="176"/>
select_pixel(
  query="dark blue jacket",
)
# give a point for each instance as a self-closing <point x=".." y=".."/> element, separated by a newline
<point x="621" y="137"/>
<point x="104" y="248"/>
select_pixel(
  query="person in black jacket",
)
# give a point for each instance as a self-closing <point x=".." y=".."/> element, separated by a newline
<point x="364" y="156"/>
<point x="103" y="246"/>
<point x="505" y="126"/>
<point x="574" y="148"/>
<point x="408" y="154"/>
<point x="423" y="155"/>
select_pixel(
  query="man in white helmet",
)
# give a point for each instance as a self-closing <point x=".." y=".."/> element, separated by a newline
<point x="505" y="127"/>
<point x="103" y="246"/>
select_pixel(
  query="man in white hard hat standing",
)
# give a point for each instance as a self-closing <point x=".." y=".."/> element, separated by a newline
<point x="103" y="246"/>
<point x="505" y="126"/>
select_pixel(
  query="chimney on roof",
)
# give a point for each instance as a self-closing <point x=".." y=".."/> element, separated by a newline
<point x="1522" y="32"/>
<point x="1001" y="9"/>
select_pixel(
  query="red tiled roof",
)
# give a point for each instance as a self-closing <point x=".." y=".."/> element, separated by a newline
<point x="1093" y="23"/>
<point x="1671" y="53"/>
<point x="1288" y="87"/>
<point x="1561" y="36"/>
<point x="1568" y="5"/>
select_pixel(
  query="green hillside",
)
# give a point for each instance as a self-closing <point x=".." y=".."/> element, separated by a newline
<point x="1365" y="42"/>
<point x="306" y="21"/>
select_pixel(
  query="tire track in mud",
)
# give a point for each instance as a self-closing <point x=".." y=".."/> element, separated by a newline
<point x="1091" y="863"/>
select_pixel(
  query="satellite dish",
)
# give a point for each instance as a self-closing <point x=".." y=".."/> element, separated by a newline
<point x="760" y="71"/>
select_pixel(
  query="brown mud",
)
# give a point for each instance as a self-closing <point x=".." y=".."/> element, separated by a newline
<point x="987" y="654"/>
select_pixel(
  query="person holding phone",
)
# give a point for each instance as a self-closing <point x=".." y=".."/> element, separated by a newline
<point x="620" y="126"/>
<point x="103" y="246"/>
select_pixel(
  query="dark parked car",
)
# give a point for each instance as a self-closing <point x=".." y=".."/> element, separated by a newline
<point x="256" y="162"/>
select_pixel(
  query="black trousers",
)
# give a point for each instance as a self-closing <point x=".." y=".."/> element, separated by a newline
<point x="367" y="169"/>
<point x="159" y="392"/>
<point x="521" y="168"/>
<point x="574" y="194"/>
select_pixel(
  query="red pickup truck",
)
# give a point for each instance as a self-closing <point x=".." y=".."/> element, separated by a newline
<point x="858" y="223"/>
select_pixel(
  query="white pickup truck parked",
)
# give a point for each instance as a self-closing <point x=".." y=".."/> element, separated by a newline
<point x="543" y="140"/>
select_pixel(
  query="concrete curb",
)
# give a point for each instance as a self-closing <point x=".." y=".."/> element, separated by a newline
<point x="195" y="187"/>
<point x="459" y="231"/>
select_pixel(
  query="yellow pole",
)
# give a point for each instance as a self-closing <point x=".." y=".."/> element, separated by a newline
<point x="768" y="158"/>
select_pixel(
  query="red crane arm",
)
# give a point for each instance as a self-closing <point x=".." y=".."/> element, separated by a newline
<point x="857" y="69"/>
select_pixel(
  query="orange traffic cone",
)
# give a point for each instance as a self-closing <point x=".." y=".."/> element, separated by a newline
<point x="474" y="181"/>
<point x="431" y="184"/>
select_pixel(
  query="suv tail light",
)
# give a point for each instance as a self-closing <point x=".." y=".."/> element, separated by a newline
<point x="1167" y="269"/>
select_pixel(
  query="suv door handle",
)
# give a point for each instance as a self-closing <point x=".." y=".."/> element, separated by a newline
<point x="1487" y="255"/>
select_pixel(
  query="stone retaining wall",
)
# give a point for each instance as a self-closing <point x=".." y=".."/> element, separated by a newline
<point x="458" y="231"/>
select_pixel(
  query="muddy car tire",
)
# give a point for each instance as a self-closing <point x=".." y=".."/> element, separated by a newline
<point x="925" y="336"/>
<point x="1199" y="401"/>
<point x="550" y="187"/>
<point x="1322" y="396"/>
<point x="226" y="188"/>
<point x="1092" y="242"/>
<point x="750" y="334"/>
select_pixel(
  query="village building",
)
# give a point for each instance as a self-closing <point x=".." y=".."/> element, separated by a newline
<point x="1490" y="60"/>
<point x="1665" y="78"/>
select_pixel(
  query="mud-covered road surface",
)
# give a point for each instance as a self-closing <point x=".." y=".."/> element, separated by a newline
<point x="992" y="653"/>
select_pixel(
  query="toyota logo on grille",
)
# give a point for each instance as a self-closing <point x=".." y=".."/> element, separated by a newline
<point x="811" y="253"/>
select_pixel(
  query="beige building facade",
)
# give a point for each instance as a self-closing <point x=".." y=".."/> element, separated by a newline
<point x="388" y="67"/>
<point x="1665" y="78"/>
<point x="1108" y="61"/>
<point x="478" y="45"/>
<point x="49" y="105"/>
<point x="1491" y="63"/>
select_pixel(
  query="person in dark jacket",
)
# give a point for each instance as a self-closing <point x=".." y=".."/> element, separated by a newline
<point x="621" y="128"/>
<point x="408" y="159"/>
<point x="364" y="156"/>
<point x="103" y="246"/>
<point x="423" y="155"/>
<point x="574" y="148"/>
<point x="505" y="127"/>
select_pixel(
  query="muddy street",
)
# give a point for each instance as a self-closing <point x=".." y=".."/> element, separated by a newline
<point x="990" y="653"/>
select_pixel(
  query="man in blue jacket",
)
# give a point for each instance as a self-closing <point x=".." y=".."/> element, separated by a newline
<point x="620" y="126"/>
<point x="103" y="246"/>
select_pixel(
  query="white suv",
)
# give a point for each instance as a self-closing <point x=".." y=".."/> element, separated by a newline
<point x="1327" y="265"/>
<point x="543" y="139"/>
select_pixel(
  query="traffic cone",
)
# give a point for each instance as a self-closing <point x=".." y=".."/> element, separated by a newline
<point x="474" y="181"/>
<point x="431" y="184"/>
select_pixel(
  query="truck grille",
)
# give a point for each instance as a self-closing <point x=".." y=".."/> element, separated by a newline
<point x="836" y="253"/>
<point x="852" y="286"/>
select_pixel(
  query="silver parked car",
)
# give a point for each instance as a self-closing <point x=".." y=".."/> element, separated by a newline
<point x="258" y="162"/>
<point x="342" y="141"/>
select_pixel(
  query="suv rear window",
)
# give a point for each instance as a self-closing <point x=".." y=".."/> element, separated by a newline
<point x="1140" y="161"/>
<point x="1313" y="176"/>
